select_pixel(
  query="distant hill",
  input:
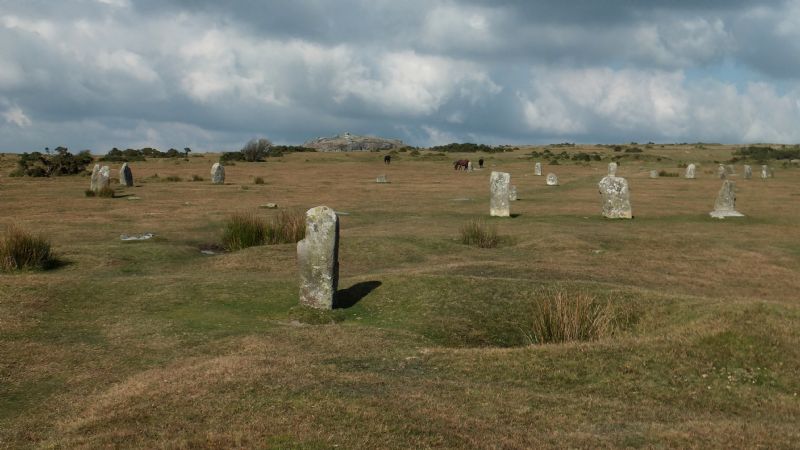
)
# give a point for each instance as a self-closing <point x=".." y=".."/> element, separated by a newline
<point x="347" y="142"/>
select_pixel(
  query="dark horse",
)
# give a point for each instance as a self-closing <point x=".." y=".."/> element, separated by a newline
<point x="387" y="159"/>
<point x="480" y="163"/>
<point x="461" y="164"/>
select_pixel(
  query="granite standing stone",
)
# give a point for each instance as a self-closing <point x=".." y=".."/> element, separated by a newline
<point x="512" y="193"/>
<point x="381" y="179"/>
<point x="499" y="185"/>
<point x="552" y="179"/>
<point x="612" y="169"/>
<point x="93" y="180"/>
<point x="101" y="178"/>
<point x="125" y="175"/>
<point x="653" y="174"/>
<point x="730" y="170"/>
<point x="537" y="169"/>
<point x="218" y="174"/>
<point x="690" y="170"/>
<point x="721" y="172"/>
<point x="469" y="166"/>
<point x="766" y="172"/>
<point x="725" y="205"/>
<point x="616" y="198"/>
<point x="748" y="172"/>
<point x="318" y="258"/>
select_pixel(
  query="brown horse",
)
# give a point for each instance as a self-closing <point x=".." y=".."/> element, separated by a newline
<point x="461" y="164"/>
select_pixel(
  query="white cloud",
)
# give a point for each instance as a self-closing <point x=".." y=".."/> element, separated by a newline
<point x="14" y="115"/>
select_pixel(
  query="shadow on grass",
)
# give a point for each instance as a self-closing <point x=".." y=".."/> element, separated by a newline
<point x="346" y="298"/>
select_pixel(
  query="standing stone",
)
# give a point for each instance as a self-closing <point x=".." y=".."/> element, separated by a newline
<point x="499" y="185"/>
<point x="725" y="205"/>
<point x="616" y="198"/>
<point x="218" y="174"/>
<point x="730" y="170"/>
<point x="748" y="172"/>
<point x="125" y="175"/>
<point x="766" y="172"/>
<point x="318" y="258"/>
<point x="690" y="169"/>
<point x="537" y="169"/>
<point x="612" y="169"/>
<point x="721" y="172"/>
<point x="512" y="193"/>
<point x="101" y="178"/>
<point x="469" y="166"/>
<point x="552" y="179"/>
<point x="93" y="180"/>
<point x="381" y="179"/>
<point x="653" y="174"/>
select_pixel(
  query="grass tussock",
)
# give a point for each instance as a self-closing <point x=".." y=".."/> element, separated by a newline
<point x="258" y="180"/>
<point x="89" y="193"/>
<point x="479" y="234"/>
<point x="560" y="316"/>
<point x="173" y="178"/>
<point x="197" y="178"/>
<point x="249" y="230"/>
<point x="106" y="192"/>
<point x="20" y="249"/>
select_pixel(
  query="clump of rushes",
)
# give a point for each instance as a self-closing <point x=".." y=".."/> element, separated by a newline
<point x="479" y="234"/>
<point x="20" y="249"/>
<point x="248" y="230"/>
<point x="287" y="227"/>
<point x="559" y="316"/>
<point x="258" y="180"/>
<point x="106" y="192"/>
<point x="197" y="178"/>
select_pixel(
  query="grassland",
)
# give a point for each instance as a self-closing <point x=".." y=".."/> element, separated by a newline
<point x="156" y="345"/>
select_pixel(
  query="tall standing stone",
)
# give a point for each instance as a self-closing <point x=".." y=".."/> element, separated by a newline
<point x="730" y="170"/>
<point x="537" y="169"/>
<point x="653" y="174"/>
<point x="766" y="172"/>
<point x="512" y="193"/>
<point x="690" y="170"/>
<point x="552" y="179"/>
<point x="499" y="186"/>
<point x="218" y="174"/>
<point x="318" y="258"/>
<point x="125" y="175"/>
<point x="616" y="198"/>
<point x="748" y="172"/>
<point x="721" y="172"/>
<point x="93" y="180"/>
<point x="612" y="169"/>
<point x="725" y="205"/>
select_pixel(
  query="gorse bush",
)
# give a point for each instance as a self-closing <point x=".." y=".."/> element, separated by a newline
<point x="248" y="230"/>
<point x="477" y="233"/>
<point x="20" y="249"/>
<point x="62" y="162"/>
<point x="559" y="316"/>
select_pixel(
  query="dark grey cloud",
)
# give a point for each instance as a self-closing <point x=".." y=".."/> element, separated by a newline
<point x="209" y="74"/>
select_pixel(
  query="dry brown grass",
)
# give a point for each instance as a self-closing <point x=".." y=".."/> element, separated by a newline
<point x="561" y="316"/>
<point x="20" y="249"/>
<point x="479" y="234"/>
<point x="153" y="344"/>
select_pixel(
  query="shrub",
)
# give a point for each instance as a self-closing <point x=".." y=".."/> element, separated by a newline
<point x="22" y="250"/>
<point x="106" y="192"/>
<point x="477" y="233"/>
<point x="242" y="231"/>
<point x="633" y="150"/>
<point x="197" y="177"/>
<point x="173" y="178"/>
<point x="62" y="162"/>
<point x="89" y="193"/>
<point x="258" y="180"/>
<point x="467" y="148"/>
<point x="664" y="173"/>
<point x="414" y="153"/>
<point x="564" y="317"/>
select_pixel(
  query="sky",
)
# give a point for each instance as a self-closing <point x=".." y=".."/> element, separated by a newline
<point x="211" y="75"/>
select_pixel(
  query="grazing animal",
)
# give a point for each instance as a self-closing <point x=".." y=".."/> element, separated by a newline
<point x="461" y="164"/>
<point x="480" y="163"/>
<point x="387" y="159"/>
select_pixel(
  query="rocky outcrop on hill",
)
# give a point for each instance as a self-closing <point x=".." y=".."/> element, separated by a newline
<point x="351" y="143"/>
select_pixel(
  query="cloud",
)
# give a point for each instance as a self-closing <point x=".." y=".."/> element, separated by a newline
<point x="14" y="115"/>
